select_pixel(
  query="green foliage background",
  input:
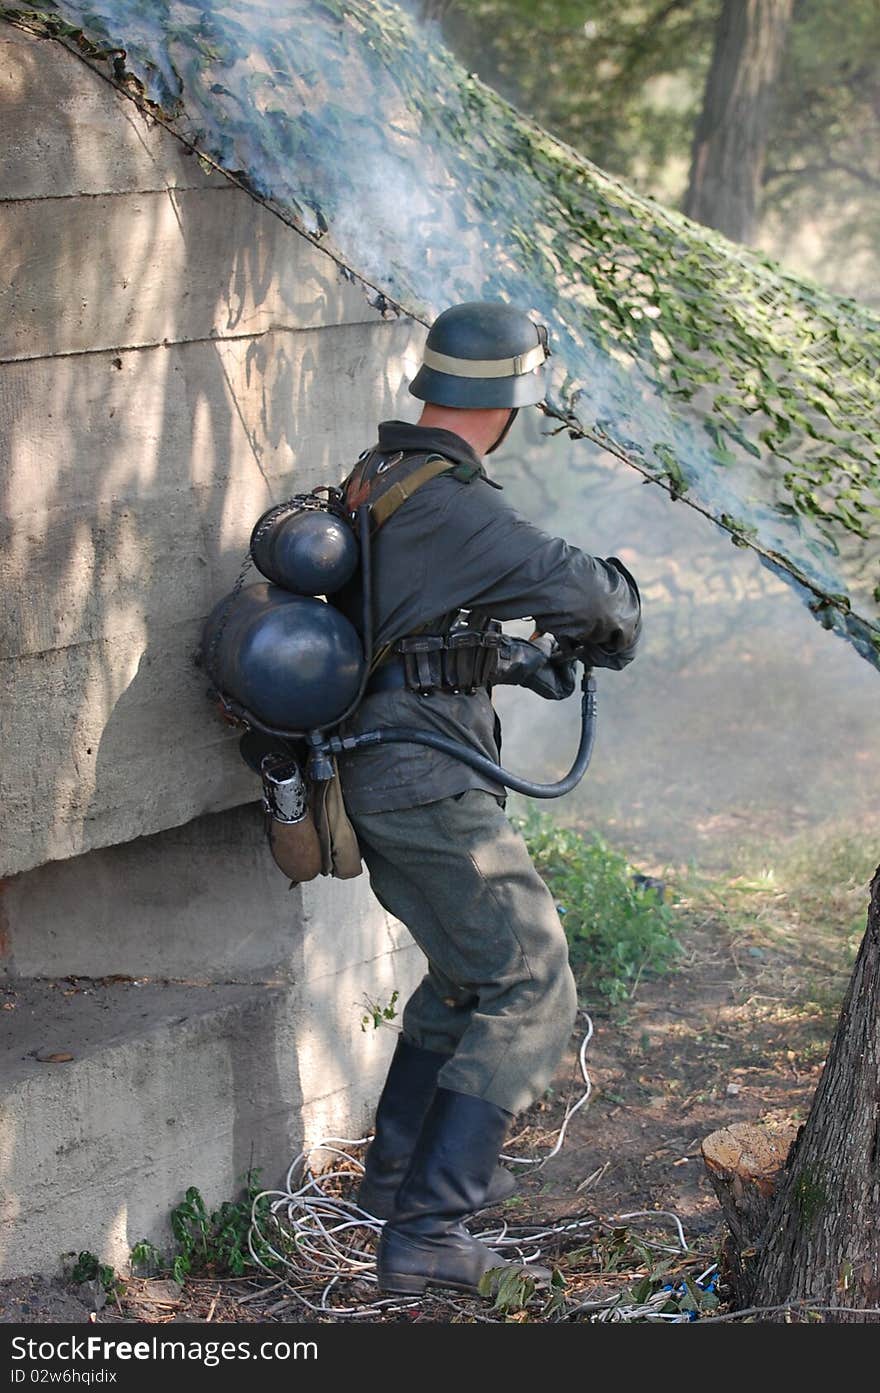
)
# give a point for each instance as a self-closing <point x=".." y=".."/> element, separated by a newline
<point x="622" y="81"/>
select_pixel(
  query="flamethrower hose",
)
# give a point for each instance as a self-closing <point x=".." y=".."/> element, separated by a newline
<point x="337" y="744"/>
<point x="367" y="606"/>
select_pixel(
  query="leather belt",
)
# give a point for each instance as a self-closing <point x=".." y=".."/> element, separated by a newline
<point x="389" y="677"/>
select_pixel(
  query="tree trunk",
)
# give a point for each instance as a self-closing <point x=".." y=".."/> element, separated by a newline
<point x="822" y="1243"/>
<point x="727" y="159"/>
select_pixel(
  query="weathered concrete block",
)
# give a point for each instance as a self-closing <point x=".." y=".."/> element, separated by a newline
<point x="133" y="475"/>
<point x="105" y="272"/>
<point x="200" y="903"/>
<point x="168" y="1087"/>
<point x="86" y="138"/>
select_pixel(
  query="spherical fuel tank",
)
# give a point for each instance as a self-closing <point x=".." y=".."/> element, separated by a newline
<point x="294" y="662"/>
<point x="309" y="551"/>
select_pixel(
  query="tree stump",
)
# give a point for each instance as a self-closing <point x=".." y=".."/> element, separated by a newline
<point x="822" y="1244"/>
<point x="745" y="1162"/>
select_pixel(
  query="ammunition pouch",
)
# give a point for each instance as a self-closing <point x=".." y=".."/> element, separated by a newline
<point x="321" y="842"/>
<point x="463" y="660"/>
<point x="337" y="838"/>
<point x="467" y="659"/>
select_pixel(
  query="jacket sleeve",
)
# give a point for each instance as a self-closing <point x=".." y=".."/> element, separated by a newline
<point x="508" y="568"/>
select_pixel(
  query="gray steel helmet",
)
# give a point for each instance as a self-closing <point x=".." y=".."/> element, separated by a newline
<point x="480" y="354"/>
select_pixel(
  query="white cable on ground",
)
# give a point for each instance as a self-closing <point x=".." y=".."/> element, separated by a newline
<point x="321" y="1240"/>
<point x="570" y="1111"/>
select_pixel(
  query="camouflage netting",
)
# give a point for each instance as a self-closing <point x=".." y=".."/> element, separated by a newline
<point x="750" y="394"/>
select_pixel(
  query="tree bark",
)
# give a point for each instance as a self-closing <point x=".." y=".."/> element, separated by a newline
<point x="822" y="1243"/>
<point x="727" y="159"/>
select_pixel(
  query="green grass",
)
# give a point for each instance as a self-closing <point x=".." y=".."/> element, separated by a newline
<point x="800" y="908"/>
<point x="616" y="930"/>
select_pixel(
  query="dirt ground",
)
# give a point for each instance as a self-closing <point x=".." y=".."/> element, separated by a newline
<point x="737" y="1033"/>
<point x="715" y="1043"/>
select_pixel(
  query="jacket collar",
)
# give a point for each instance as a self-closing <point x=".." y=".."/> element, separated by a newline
<point x="403" y="435"/>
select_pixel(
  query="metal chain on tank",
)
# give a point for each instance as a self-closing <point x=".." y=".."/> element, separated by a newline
<point x="300" y="502"/>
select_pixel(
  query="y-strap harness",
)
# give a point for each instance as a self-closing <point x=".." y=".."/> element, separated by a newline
<point x="464" y="655"/>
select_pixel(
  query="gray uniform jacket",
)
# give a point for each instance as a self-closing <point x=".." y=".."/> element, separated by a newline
<point x="456" y="545"/>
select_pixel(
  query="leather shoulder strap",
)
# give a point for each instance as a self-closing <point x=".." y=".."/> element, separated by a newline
<point x="402" y="489"/>
<point x="386" y="484"/>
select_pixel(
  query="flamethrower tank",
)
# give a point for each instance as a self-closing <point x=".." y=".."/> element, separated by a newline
<point x="307" y="550"/>
<point x="292" y="667"/>
<point x="293" y="661"/>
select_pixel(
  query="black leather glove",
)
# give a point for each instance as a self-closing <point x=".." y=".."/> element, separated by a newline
<point x="615" y="654"/>
<point x="537" y="664"/>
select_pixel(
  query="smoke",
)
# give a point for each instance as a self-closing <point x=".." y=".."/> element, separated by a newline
<point x="740" y="721"/>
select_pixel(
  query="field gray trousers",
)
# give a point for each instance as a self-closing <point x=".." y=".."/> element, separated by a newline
<point x="499" y="996"/>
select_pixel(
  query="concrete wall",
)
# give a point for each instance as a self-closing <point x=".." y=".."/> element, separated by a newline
<point x="173" y="359"/>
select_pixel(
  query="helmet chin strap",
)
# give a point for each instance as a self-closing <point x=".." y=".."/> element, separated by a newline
<point x="502" y="437"/>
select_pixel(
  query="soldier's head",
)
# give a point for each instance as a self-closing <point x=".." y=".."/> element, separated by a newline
<point x="483" y="360"/>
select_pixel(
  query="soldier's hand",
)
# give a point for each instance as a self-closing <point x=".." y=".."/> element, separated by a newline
<point x="534" y="663"/>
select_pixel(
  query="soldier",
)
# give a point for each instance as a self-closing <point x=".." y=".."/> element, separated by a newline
<point x="487" y="1025"/>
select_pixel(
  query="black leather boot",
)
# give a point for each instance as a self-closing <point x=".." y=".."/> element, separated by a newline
<point x="406" y="1097"/>
<point x="425" y="1243"/>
